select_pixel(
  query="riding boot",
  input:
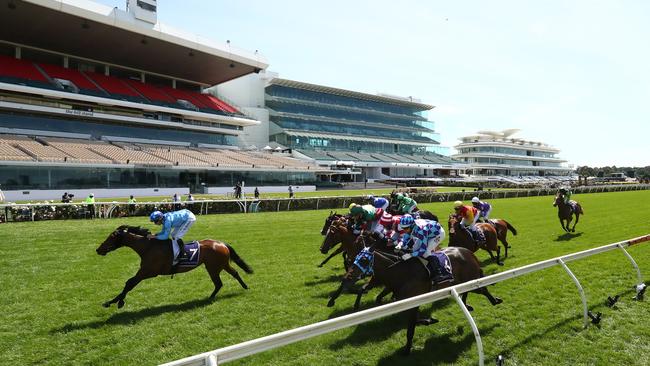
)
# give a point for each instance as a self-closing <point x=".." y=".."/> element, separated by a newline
<point x="181" y="248"/>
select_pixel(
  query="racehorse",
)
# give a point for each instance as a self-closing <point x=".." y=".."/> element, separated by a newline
<point x="328" y="222"/>
<point x="565" y="213"/>
<point x="156" y="258"/>
<point x="459" y="237"/>
<point x="502" y="227"/>
<point x="410" y="278"/>
<point x="340" y="232"/>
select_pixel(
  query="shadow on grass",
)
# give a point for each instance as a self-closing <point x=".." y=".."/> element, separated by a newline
<point x="439" y="349"/>
<point x="130" y="317"/>
<point x="567" y="236"/>
<point x="320" y="281"/>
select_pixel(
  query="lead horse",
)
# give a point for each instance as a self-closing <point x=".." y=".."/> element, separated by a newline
<point x="565" y="212"/>
<point x="156" y="259"/>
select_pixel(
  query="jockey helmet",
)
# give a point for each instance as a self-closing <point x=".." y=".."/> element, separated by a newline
<point x="155" y="216"/>
<point x="405" y="222"/>
<point x="475" y="200"/>
<point x="371" y="197"/>
<point x="356" y="209"/>
<point x="457" y="204"/>
<point x="352" y="205"/>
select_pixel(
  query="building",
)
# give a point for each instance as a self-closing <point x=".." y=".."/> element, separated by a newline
<point x="94" y="97"/>
<point x="356" y="135"/>
<point x="499" y="153"/>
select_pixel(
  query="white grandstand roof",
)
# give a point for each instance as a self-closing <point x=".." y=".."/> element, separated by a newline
<point x="90" y="30"/>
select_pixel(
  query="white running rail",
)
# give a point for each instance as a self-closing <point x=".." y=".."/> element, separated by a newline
<point x="237" y="351"/>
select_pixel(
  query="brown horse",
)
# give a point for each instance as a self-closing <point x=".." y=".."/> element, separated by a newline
<point x="565" y="212"/>
<point x="502" y="227"/>
<point x="340" y="232"/>
<point x="410" y="278"/>
<point x="459" y="237"/>
<point x="156" y="258"/>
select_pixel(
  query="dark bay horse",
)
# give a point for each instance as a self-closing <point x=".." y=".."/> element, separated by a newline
<point x="410" y="278"/>
<point x="156" y="258"/>
<point x="339" y="231"/>
<point x="459" y="237"/>
<point x="565" y="212"/>
<point x="328" y="222"/>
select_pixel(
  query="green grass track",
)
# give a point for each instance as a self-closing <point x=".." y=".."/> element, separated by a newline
<point x="53" y="284"/>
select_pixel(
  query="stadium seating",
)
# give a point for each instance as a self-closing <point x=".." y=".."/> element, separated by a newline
<point x="78" y="151"/>
<point x="154" y="94"/>
<point x="115" y="87"/>
<point x="77" y="78"/>
<point x="23" y="72"/>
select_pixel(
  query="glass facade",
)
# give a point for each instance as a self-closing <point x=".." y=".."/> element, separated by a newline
<point x="97" y="129"/>
<point x="321" y="113"/>
<point x="507" y="150"/>
<point x="29" y="177"/>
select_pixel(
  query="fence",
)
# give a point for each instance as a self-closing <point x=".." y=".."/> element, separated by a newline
<point x="58" y="211"/>
<point x="231" y="353"/>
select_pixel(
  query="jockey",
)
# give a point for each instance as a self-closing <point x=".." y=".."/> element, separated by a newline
<point x="367" y="217"/>
<point x="566" y="194"/>
<point x="176" y="224"/>
<point x="425" y="237"/>
<point x="406" y="205"/>
<point x="378" y="202"/>
<point x="469" y="215"/>
<point x="483" y="208"/>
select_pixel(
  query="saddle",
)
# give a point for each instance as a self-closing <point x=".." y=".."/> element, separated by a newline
<point x="191" y="257"/>
<point x="574" y="206"/>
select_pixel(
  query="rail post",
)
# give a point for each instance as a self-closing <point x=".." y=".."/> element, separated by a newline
<point x="580" y="290"/>
<point x="472" y="323"/>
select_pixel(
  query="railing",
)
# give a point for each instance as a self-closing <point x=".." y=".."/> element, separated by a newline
<point x="58" y="211"/>
<point x="237" y="351"/>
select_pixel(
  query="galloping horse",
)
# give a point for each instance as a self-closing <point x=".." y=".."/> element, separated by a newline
<point x="410" y="278"/>
<point x="459" y="237"/>
<point x="502" y="227"/>
<point x="565" y="213"/>
<point x="340" y="232"/>
<point x="156" y="258"/>
<point x="328" y="222"/>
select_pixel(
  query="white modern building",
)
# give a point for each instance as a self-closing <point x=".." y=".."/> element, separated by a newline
<point x="499" y="153"/>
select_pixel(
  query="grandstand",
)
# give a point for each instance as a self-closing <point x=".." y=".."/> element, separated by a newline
<point x="360" y="135"/>
<point x="86" y="102"/>
<point x="491" y="153"/>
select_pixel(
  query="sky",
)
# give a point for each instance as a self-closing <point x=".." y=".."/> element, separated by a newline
<point x="572" y="74"/>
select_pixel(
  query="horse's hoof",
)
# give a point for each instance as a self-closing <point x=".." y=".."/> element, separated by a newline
<point x="497" y="301"/>
<point x="120" y="304"/>
<point x="330" y="303"/>
<point x="320" y="266"/>
<point x="469" y="307"/>
<point x="106" y="304"/>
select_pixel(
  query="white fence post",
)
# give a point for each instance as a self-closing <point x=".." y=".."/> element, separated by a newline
<point x="472" y="323"/>
<point x="211" y="360"/>
<point x="580" y="290"/>
<point x="636" y="267"/>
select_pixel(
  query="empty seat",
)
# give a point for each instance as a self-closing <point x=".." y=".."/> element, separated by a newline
<point x="115" y="87"/>
<point x="74" y="76"/>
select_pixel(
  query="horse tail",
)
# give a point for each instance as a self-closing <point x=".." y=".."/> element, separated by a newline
<point x="237" y="259"/>
<point x="511" y="228"/>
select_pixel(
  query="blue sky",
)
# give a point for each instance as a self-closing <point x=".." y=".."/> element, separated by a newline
<point x="573" y="74"/>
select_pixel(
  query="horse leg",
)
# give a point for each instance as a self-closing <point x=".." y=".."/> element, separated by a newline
<point x="233" y="272"/>
<point x="128" y="286"/>
<point x="335" y="295"/>
<point x="468" y="306"/>
<point x="576" y="223"/>
<point x="364" y="289"/>
<point x="562" y="223"/>
<point x="216" y="279"/>
<point x="410" y="331"/>
<point x="381" y="295"/>
<point x="485" y="292"/>
<point x="337" y="251"/>
<point x="499" y="255"/>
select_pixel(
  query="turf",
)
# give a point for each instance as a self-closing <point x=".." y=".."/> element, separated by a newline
<point x="53" y="285"/>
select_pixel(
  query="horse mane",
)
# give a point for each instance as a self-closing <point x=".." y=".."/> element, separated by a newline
<point x="137" y="230"/>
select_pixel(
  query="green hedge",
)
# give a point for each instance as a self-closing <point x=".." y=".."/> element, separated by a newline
<point x="36" y="212"/>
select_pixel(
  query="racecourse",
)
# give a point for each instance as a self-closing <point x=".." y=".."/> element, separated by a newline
<point x="53" y="285"/>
